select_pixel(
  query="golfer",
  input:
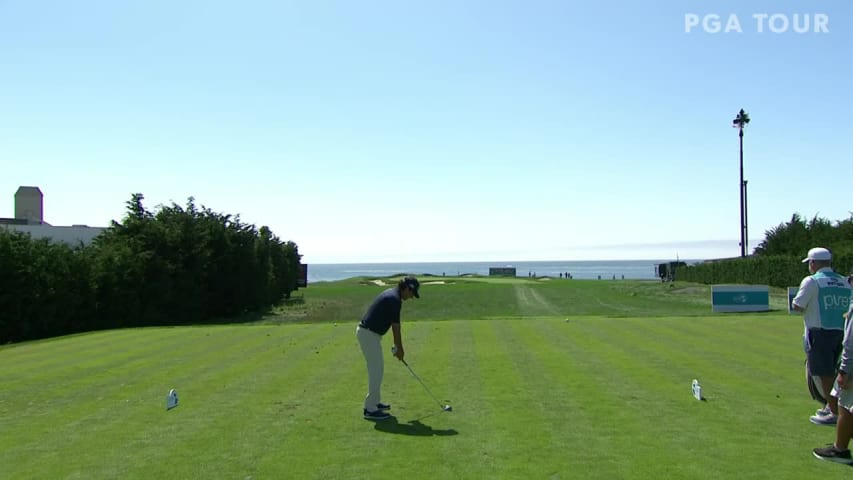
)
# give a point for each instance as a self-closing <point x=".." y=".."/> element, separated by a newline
<point x="383" y="313"/>
<point x="823" y="298"/>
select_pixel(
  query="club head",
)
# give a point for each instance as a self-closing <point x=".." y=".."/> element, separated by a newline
<point x="447" y="408"/>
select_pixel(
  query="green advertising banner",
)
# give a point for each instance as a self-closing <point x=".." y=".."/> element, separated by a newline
<point x="740" y="298"/>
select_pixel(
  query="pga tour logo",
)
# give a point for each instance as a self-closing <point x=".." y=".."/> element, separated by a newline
<point x="758" y="22"/>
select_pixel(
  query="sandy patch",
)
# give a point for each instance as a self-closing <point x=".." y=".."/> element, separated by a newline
<point x="379" y="282"/>
<point x="435" y="283"/>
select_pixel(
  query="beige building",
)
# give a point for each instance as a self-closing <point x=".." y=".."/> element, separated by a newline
<point x="29" y="219"/>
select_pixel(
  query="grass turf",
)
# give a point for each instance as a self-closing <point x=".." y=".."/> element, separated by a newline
<point x="547" y="379"/>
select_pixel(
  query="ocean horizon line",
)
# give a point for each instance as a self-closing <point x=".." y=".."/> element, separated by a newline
<point x="653" y="260"/>
<point x="568" y="269"/>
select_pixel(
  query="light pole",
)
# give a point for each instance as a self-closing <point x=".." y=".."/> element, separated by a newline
<point x="745" y="215"/>
<point x="740" y="122"/>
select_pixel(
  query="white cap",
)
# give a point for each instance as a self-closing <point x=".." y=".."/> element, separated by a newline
<point x="818" y="253"/>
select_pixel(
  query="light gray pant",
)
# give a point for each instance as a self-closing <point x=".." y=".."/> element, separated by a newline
<point x="371" y="347"/>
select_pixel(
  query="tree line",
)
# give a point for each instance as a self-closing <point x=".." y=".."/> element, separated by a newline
<point x="777" y="260"/>
<point x="175" y="266"/>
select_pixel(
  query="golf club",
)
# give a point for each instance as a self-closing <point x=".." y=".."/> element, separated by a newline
<point x="445" y="408"/>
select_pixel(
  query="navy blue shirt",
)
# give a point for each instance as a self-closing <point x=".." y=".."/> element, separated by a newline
<point x="384" y="311"/>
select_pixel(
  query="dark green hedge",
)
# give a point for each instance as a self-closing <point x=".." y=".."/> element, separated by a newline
<point x="777" y="271"/>
<point x="176" y="266"/>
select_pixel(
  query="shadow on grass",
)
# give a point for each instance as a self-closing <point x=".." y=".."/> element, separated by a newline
<point x="248" y="317"/>
<point x="414" y="427"/>
<point x="269" y="314"/>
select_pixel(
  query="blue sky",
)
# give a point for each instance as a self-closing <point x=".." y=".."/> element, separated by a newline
<point x="433" y="131"/>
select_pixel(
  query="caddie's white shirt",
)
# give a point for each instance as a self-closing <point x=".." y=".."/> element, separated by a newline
<point x="805" y="300"/>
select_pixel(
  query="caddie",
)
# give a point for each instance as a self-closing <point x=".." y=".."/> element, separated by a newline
<point x="823" y="298"/>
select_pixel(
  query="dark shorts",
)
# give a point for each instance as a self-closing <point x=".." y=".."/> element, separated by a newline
<point x="823" y="351"/>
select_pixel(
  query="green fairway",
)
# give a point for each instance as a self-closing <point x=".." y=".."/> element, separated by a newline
<point x="548" y="379"/>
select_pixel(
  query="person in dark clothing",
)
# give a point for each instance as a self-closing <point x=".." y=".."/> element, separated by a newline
<point x="383" y="314"/>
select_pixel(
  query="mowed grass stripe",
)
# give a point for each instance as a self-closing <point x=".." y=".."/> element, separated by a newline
<point x="444" y="356"/>
<point x="580" y="420"/>
<point x="205" y="430"/>
<point x="729" y="385"/>
<point x="119" y="368"/>
<point x="449" y="365"/>
<point x="731" y="361"/>
<point x="301" y="447"/>
<point x="276" y="394"/>
<point x="69" y="366"/>
<point x="619" y="298"/>
<point x="670" y="350"/>
<point x="464" y="299"/>
<point x="30" y="358"/>
<point x="594" y="395"/>
<point x="358" y="442"/>
<point x="530" y="417"/>
<point x="92" y="412"/>
<point x="633" y="402"/>
<point x="534" y="397"/>
<point x="58" y="400"/>
<point x="760" y="346"/>
<point x="495" y="424"/>
<point x="466" y="386"/>
<point x="416" y="425"/>
<point x="102" y="412"/>
<point x="765" y="331"/>
<point x="77" y="407"/>
<point x="676" y="423"/>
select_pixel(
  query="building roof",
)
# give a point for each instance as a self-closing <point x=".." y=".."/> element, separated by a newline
<point x="25" y="189"/>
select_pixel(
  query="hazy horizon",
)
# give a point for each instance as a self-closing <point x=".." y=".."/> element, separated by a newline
<point x="437" y="131"/>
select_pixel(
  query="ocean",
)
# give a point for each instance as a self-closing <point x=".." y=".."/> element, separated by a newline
<point x="590" y="270"/>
